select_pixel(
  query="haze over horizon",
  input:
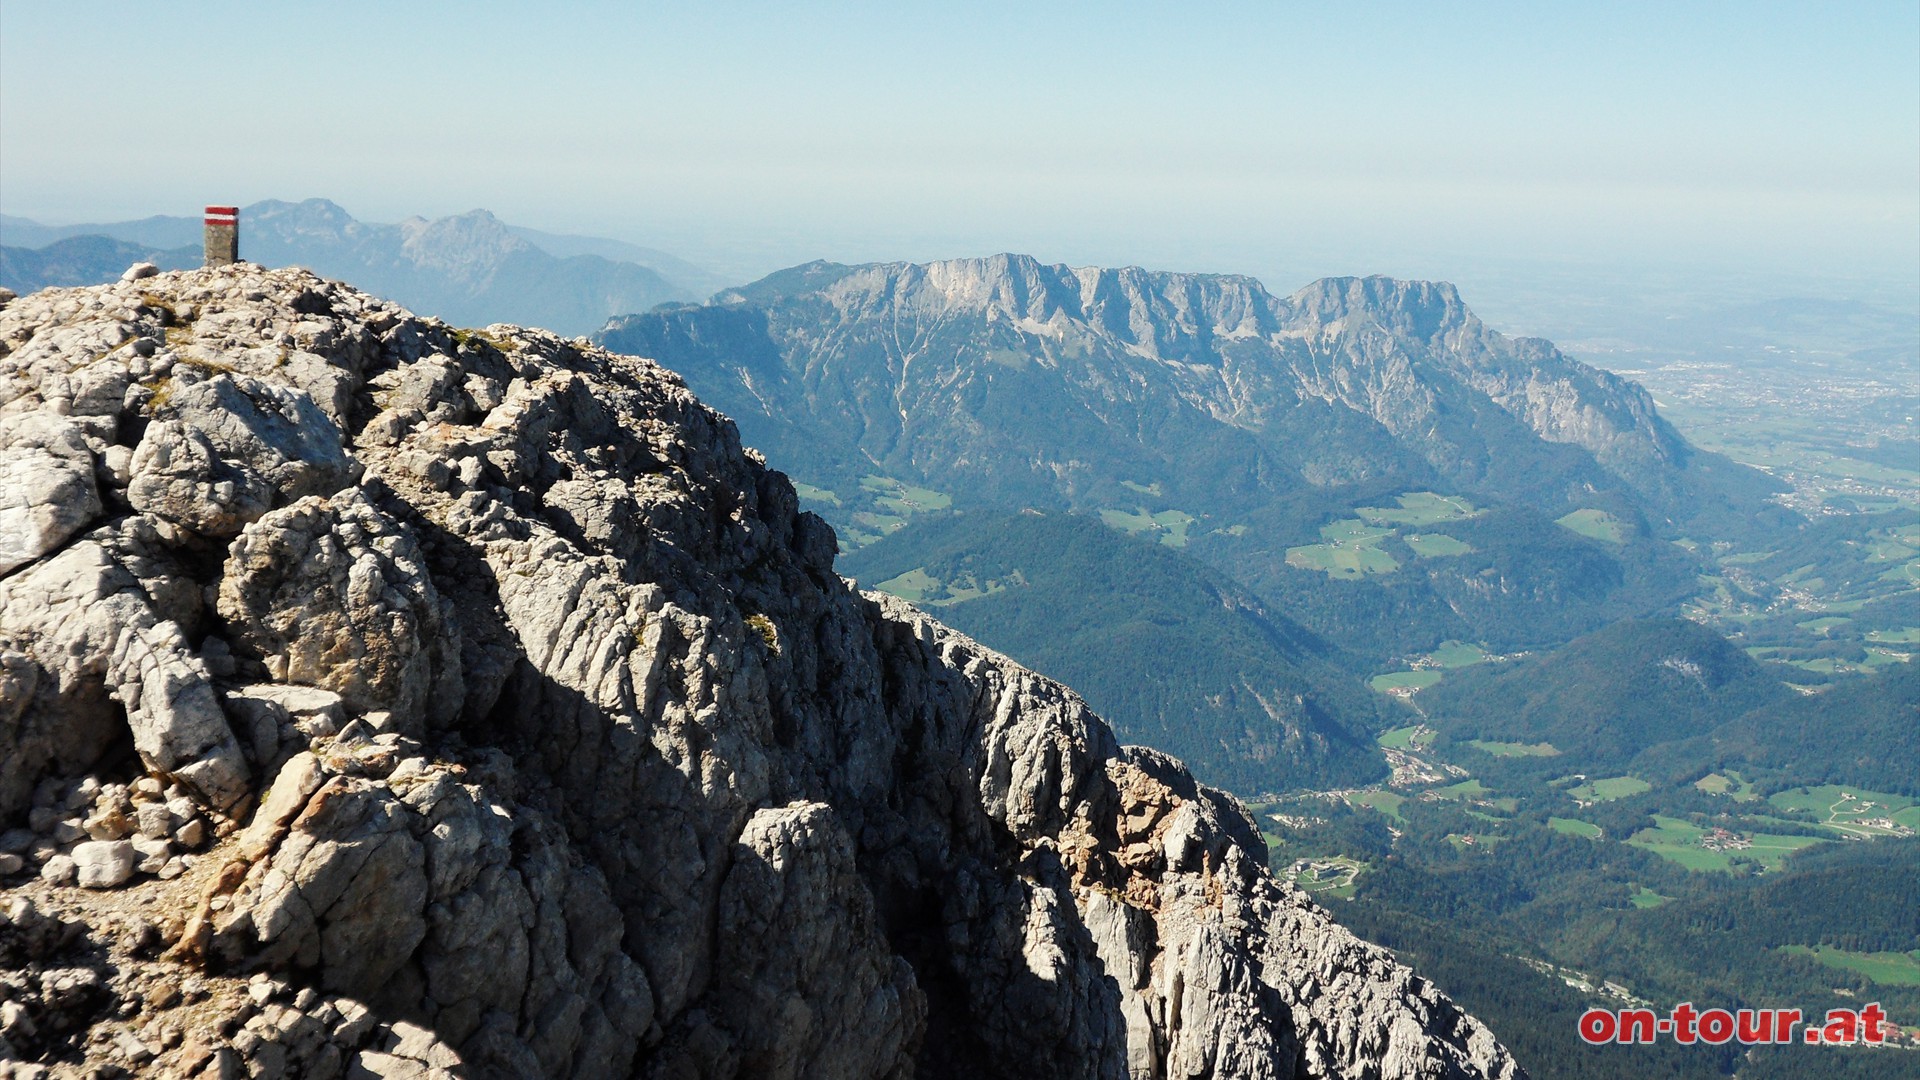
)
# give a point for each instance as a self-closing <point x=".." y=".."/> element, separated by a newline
<point x="1779" y="144"/>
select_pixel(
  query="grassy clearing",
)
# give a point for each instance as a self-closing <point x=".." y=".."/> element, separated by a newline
<point x="1437" y="545"/>
<point x="1772" y="850"/>
<point x="1824" y="624"/>
<point x="912" y="586"/>
<point x="1575" y="827"/>
<point x="1610" y="788"/>
<point x="1152" y="489"/>
<point x="1167" y="526"/>
<point x="1730" y="784"/>
<point x="1595" y="524"/>
<point x="1882" y="968"/>
<point x="1411" y="737"/>
<point x="1458" y="654"/>
<point x="1514" y="749"/>
<point x="902" y="498"/>
<point x="1406" y="681"/>
<point x="1429" y="669"/>
<point x="1386" y="802"/>
<point x="917" y="586"/>
<point x="810" y="493"/>
<point x="1644" y="898"/>
<point x="869" y="526"/>
<point x="968" y="588"/>
<point x="1906" y="635"/>
<point x="1469" y="789"/>
<point x="1679" y="841"/>
<point x="1828" y="665"/>
<point x="1418" y="508"/>
<point x="1175" y="524"/>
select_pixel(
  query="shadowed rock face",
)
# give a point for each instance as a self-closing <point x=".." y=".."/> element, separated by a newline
<point x="538" y="737"/>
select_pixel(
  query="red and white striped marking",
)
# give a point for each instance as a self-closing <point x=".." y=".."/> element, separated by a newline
<point x="223" y="215"/>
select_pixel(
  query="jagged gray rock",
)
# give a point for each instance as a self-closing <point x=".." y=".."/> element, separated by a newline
<point x="538" y="737"/>
<point x="47" y="491"/>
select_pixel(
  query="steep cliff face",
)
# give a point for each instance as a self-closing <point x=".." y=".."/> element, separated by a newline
<point x="1048" y="385"/>
<point x="381" y="698"/>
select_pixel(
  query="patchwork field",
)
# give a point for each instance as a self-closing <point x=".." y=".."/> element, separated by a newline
<point x="1576" y="827"/>
<point x="917" y="586"/>
<point x="912" y="586"/>
<point x="902" y="498"/>
<point x="1437" y="545"/>
<point x="1428" y="669"/>
<point x="1609" y="789"/>
<point x="1471" y="790"/>
<point x="1418" y="508"/>
<point x="1883" y="968"/>
<point x="1730" y="784"/>
<point x="810" y="493"/>
<point x="1352" y="546"/>
<point x="1386" y="802"/>
<point x="1404" y="681"/>
<point x="1352" y="551"/>
<point x="884" y="505"/>
<point x="1853" y="811"/>
<point x="1411" y="737"/>
<point x="1167" y="526"/>
<point x="1458" y="654"/>
<point x="1696" y="848"/>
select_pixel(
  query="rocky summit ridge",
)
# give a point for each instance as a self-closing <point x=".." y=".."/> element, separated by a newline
<point x="379" y="698"/>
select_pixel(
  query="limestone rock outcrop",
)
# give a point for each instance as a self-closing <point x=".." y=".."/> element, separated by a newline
<point x="384" y="699"/>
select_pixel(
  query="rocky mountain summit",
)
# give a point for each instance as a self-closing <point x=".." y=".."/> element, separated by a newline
<point x="379" y="698"/>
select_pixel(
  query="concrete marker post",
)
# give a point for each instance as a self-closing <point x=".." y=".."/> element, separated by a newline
<point x="223" y="235"/>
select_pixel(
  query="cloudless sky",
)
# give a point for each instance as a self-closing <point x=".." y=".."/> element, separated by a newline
<point x="1270" y="137"/>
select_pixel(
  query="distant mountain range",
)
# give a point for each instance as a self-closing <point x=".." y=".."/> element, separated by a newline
<point x="87" y="259"/>
<point x="1041" y="384"/>
<point x="1365" y="457"/>
<point x="470" y="269"/>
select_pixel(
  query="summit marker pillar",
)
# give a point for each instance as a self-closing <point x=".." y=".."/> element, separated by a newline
<point x="223" y="235"/>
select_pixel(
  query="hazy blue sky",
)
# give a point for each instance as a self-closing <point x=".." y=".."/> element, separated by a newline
<point x="1265" y="137"/>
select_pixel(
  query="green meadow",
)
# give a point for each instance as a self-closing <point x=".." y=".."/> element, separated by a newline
<point x="1595" y="524"/>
